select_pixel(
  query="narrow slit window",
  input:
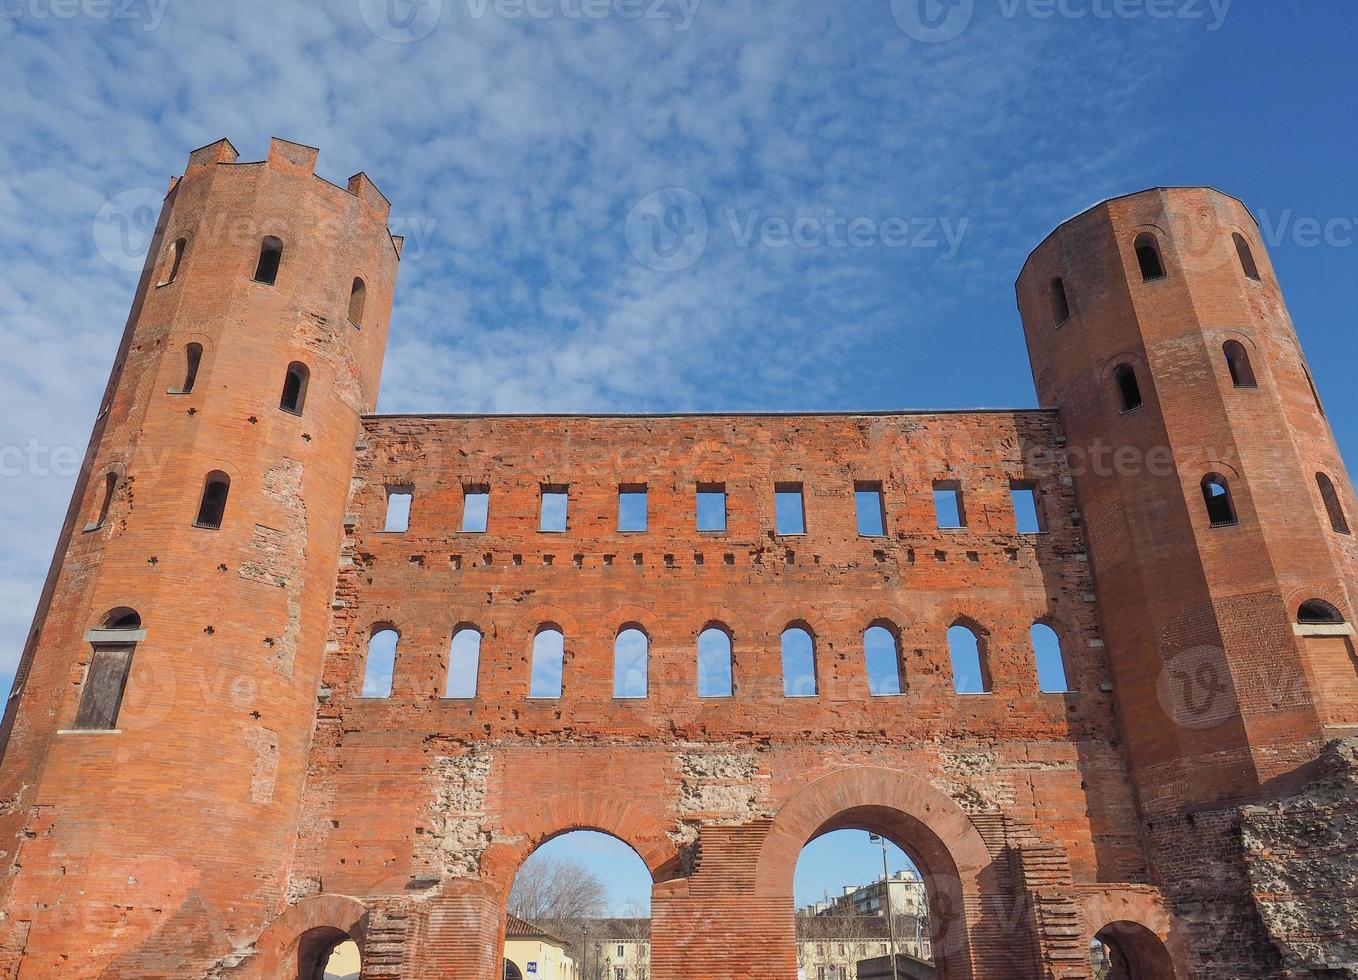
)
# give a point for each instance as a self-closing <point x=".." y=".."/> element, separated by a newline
<point x="212" y="507"/>
<point x="1333" y="508"/>
<point x="1238" y="363"/>
<point x="969" y="673"/>
<point x="475" y="508"/>
<point x="549" y="656"/>
<point x="101" y="697"/>
<point x="399" y="502"/>
<point x="1129" y="389"/>
<point x="295" y="383"/>
<point x="173" y="260"/>
<point x="1051" y="665"/>
<point x="871" y="509"/>
<point x="715" y="674"/>
<point x="358" y="296"/>
<point x="270" y="258"/>
<point x="193" y="359"/>
<point x="552" y="515"/>
<point x="630" y="650"/>
<point x="1216" y="495"/>
<point x="882" y="661"/>
<point x="464" y="662"/>
<point x="1242" y="250"/>
<point x="1315" y="395"/>
<point x="1148" y="258"/>
<point x="380" y="664"/>
<point x="1060" y="303"/>
<point x="799" y="663"/>
<point x="1027" y="517"/>
<point x="711" y="503"/>
<point x="105" y="500"/>
<point x="632" y="507"/>
<point x="949" y="513"/>
<point x="789" y="508"/>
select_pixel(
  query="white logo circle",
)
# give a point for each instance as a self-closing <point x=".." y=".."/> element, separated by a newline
<point x="667" y="230"/>
<point x="933" y="21"/>
<point x="1195" y="688"/>
<point x="401" y="21"/>
<point x="124" y="226"/>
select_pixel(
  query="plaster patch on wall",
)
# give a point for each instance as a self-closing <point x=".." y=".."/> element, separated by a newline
<point x="722" y="787"/>
<point x="265" y="744"/>
<point x="457" y="833"/>
<point x="277" y="557"/>
<point x="972" y="777"/>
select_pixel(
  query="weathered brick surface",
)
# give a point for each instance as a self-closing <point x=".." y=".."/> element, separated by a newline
<point x="253" y="808"/>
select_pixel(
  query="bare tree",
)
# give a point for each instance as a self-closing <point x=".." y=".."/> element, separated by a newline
<point x="550" y="887"/>
<point x="636" y="930"/>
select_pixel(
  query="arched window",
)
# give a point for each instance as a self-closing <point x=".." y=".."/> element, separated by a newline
<point x="101" y="694"/>
<point x="358" y="295"/>
<point x="1242" y="249"/>
<point x="193" y="357"/>
<point x="464" y="663"/>
<point x="1051" y="665"/>
<point x="1318" y="612"/>
<point x="121" y="618"/>
<point x="172" y="261"/>
<point x="1238" y="363"/>
<point x="105" y="500"/>
<point x="715" y="675"/>
<point x="1332" y="506"/>
<point x="549" y="656"/>
<point x="1216" y="494"/>
<point x="882" y="660"/>
<point x="799" y="663"/>
<point x="270" y="258"/>
<point x="380" y="664"/>
<point x="1148" y="257"/>
<point x="969" y="669"/>
<point x="1060" y="304"/>
<point x="294" y="388"/>
<point x="1129" y="389"/>
<point x="630" y="650"/>
<point x="212" y="508"/>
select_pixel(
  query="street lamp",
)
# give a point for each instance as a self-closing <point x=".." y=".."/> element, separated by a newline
<point x="890" y="916"/>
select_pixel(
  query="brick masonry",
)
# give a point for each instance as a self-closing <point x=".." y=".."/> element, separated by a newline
<point x="253" y="808"/>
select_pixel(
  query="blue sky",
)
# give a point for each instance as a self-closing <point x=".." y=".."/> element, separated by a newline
<point x="536" y="152"/>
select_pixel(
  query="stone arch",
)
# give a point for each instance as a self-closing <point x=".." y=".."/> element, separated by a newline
<point x="1137" y="921"/>
<point x="291" y="946"/>
<point x="920" y="819"/>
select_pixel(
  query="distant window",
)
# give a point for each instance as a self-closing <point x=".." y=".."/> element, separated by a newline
<point x="629" y="663"/>
<point x="475" y="508"/>
<point x="173" y="258"/>
<point x="969" y="670"/>
<point x="632" y="507"/>
<point x="1318" y="612"/>
<point x="552" y="516"/>
<point x="105" y="500"/>
<point x="711" y="507"/>
<point x="1051" y="666"/>
<point x="464" y="661"/>
<point x="1242" y="249"/>
<point x="1216" y="494"/>
<point x="212" y="507"/>
<point x="1332" y="505"/>
<point x="399" y="501"/>
<point x="101" y="696"/>
<point x="358" y="295"/>
<point x="799" y="663"/>
<point x="1060" y="304"/>
<point x="193" y="357"/>
<point x="549" y="654"/>
<point x="871" y="510"/>
<point x="294" y="388"/>
<point x="882" y="661"/>
<point x="1148" y="257"/>
<point x="949" y="513"/>
<point x="270" y="257"/>
<point x="380" y="663"/>
<point x="715" y="678"/>
<point x="1129" y="389"/>
<point x="1027" y="519"/>
<point x="789" y="509"/>
<point x="1315" y="395"/>
<point x="1238" y="363"/>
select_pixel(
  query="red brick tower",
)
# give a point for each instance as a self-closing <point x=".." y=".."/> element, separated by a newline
<point x="156" y="742"/>
<point x="1216" y="509"/>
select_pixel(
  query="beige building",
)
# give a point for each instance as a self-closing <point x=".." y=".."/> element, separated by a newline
<point x="909" y="905"/>
<point x="533" y="953"/>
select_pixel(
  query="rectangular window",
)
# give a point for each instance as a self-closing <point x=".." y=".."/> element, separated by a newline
<point x="475" y="508"/>
<point x="399" y="500"/>
<point x="632" y="507"/>
<point x="711" y="507"/>
<point x="1027" y="519"/>
<point x="867" y="499"/>
<point x="104" y="684"/>
<point x="553" y="517"/>
<point x="619" y="949"/>
<point x="789" y="509"/>
<point x="948" y="505"/>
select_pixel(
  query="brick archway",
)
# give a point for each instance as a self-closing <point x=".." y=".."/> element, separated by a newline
<point x="291" y="945"/>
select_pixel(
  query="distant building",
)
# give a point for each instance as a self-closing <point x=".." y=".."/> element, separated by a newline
<point x="830" y="947"/>
<point x="609" y="949"/>
<point x="533" y="951"/>
<point x="909" y="905"/>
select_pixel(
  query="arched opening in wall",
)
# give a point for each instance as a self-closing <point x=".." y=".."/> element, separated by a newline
<point x="716" y="674"/>
<point x="1129" y="389"/>
<point x="193" y="359"/>
<point x="109" y="488"/>
<point x="295" y="382"/>
<point x="1318" y="612"/>
<point x="882" y="660"/>
<point x="380" y="663"/>
<point x="358" y="296"/>
<point x="212" y="506"/>
<point x="270" y="258"/>
<point x="512" y="971"/>
<point x="1216" y="496"/>
<point x="799" y="662"/>
<point x="1060" y="303"/>
<point x="1050" y="661"/>
<point x="1129" y="951"/>
<point x="549" y="658"/>
<point x="966" y="649"/>
<point x="1333" y="508"/>
<point x="1148" y="257"/>
<point x="631" y="648"/>
<point x="1242" y="251"/>
<point x="173" y="258"/>
<point x="326" y="953"/>
<point x="1238" y="363"/>
<point x="343" y="962"/>
<point x="464" y="663"/>
<point x="580" y="908"/>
